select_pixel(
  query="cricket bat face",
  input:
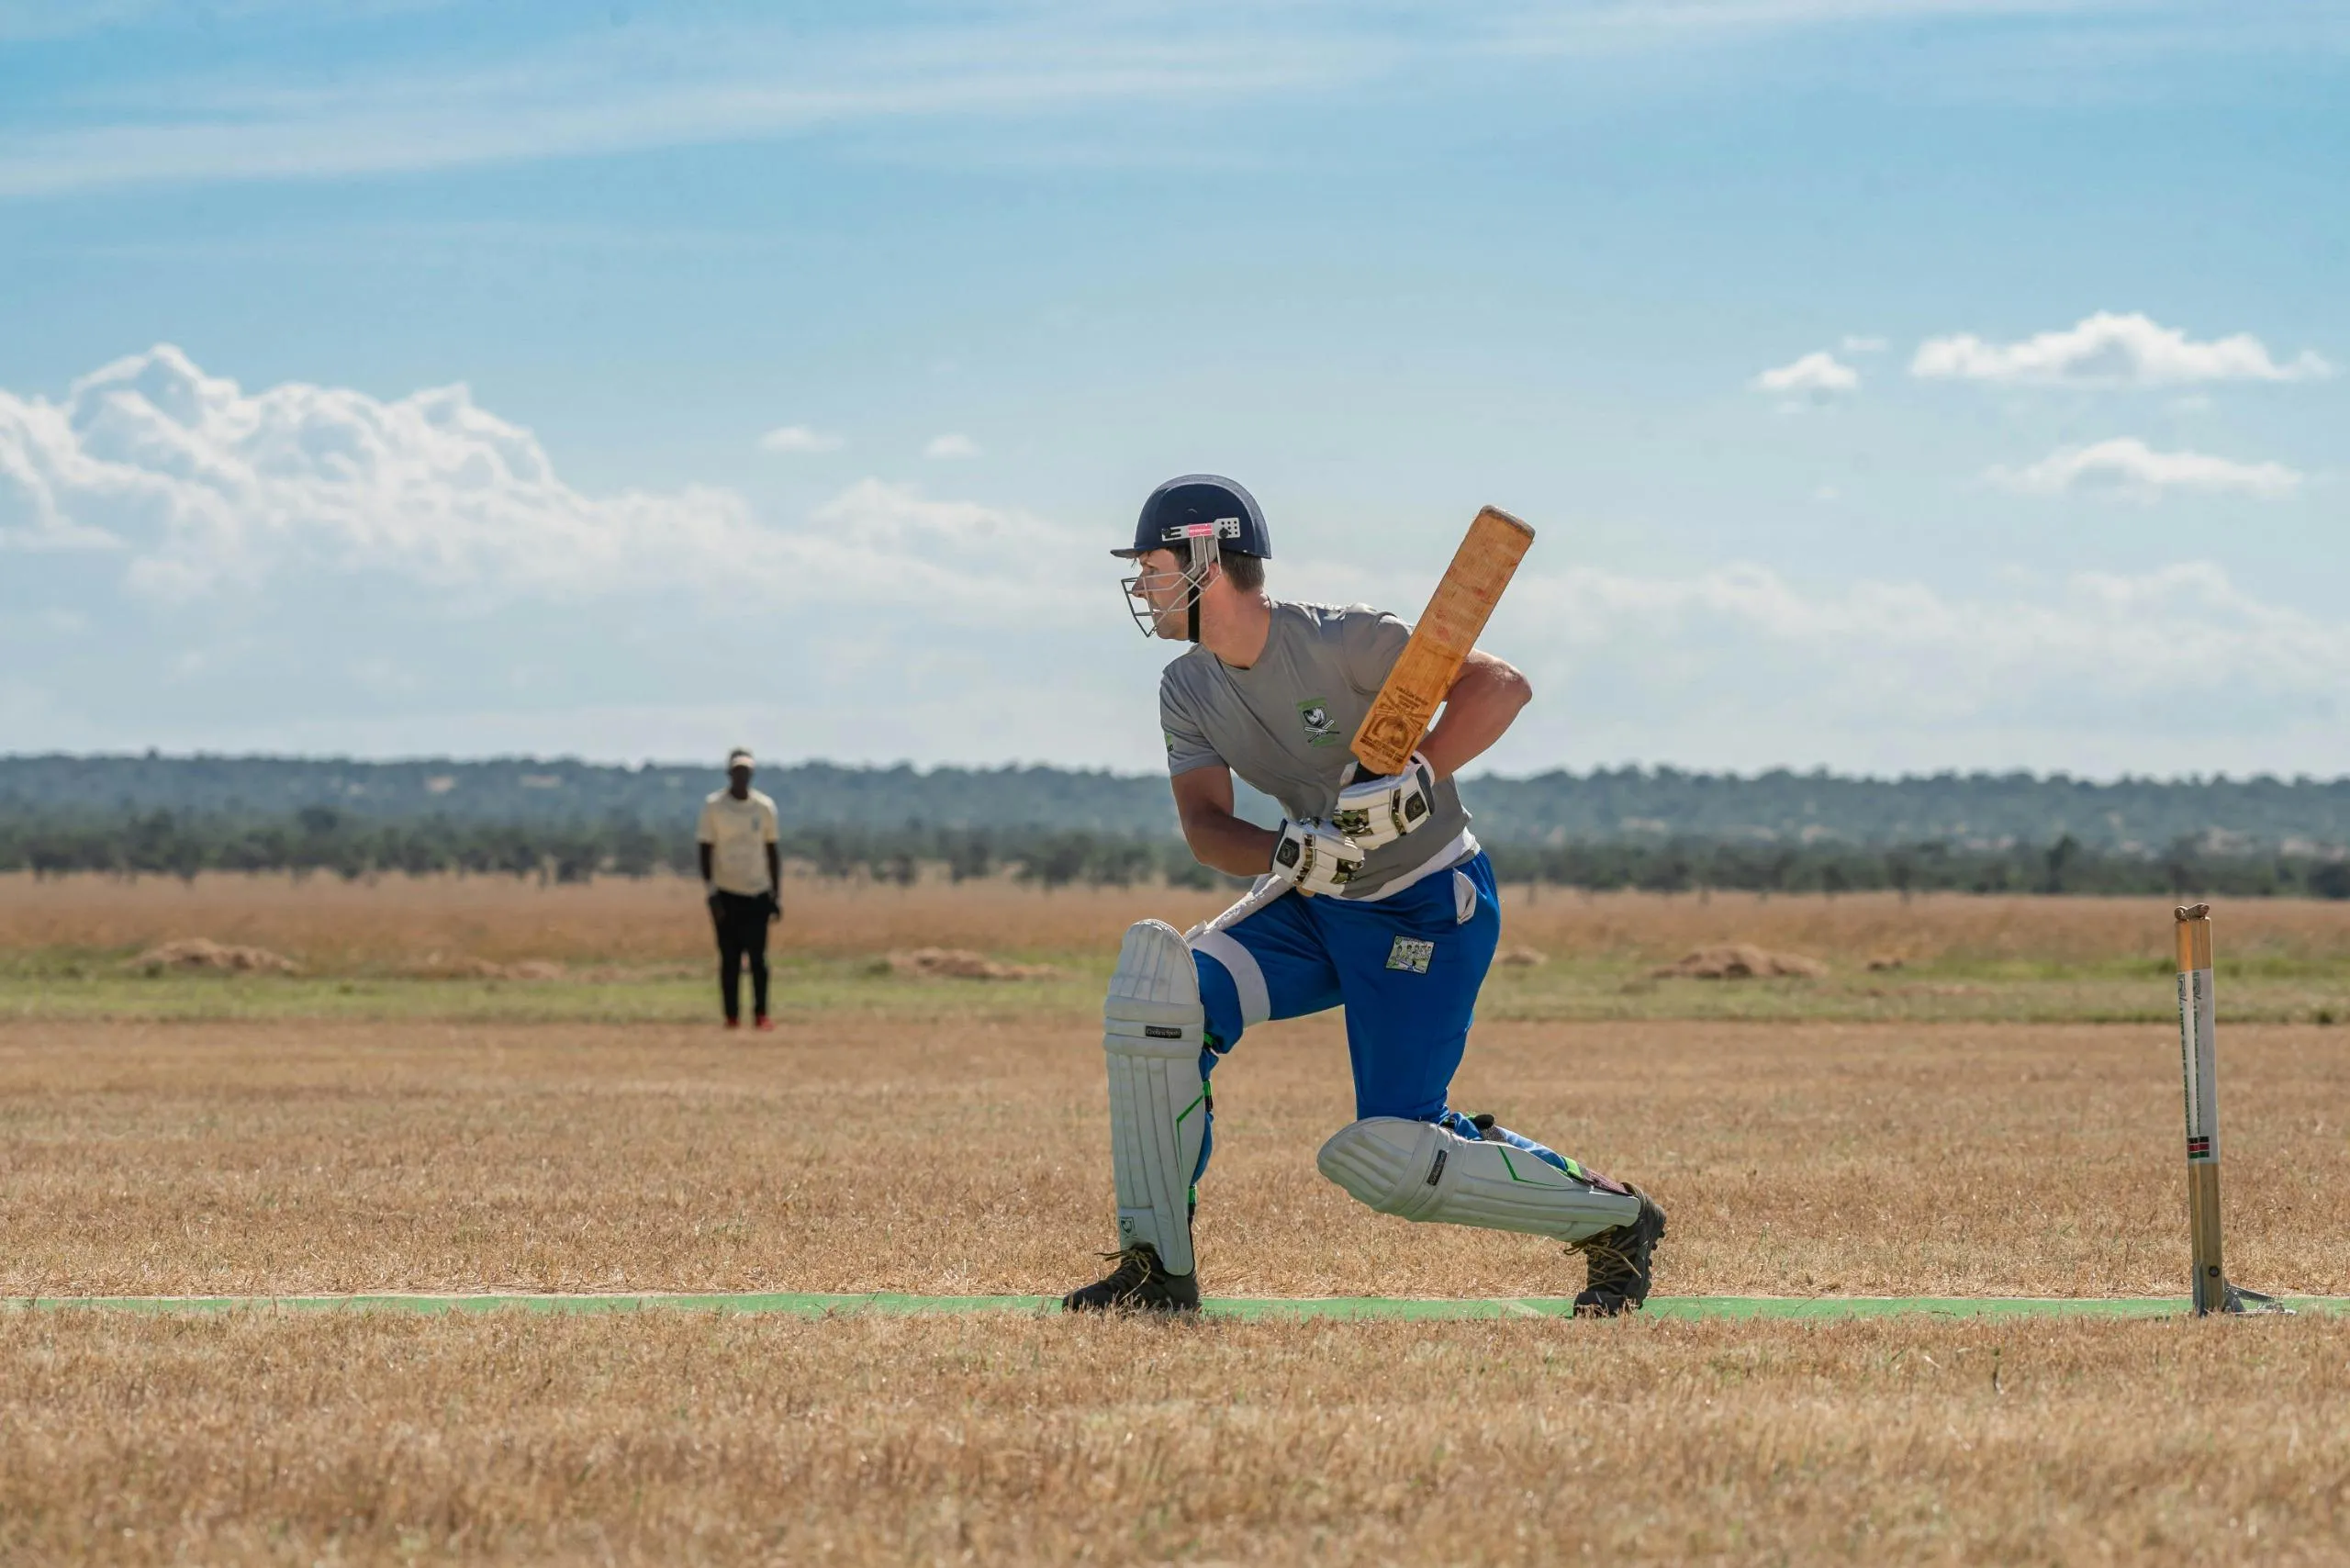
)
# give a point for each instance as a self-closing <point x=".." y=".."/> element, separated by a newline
<point x="1441" y="639"/>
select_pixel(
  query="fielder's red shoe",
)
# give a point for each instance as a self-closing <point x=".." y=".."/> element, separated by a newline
<point x="733" y="1023"/>
<point x="767" y="1022"/>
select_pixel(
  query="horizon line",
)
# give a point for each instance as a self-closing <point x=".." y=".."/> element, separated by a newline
<point x="1818" y="771"/>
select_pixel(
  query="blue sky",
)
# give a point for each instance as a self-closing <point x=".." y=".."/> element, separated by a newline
<point x="1895" y="387"/>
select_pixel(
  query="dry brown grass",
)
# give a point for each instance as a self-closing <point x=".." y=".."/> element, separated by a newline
<point x="431" y="924"/>
<point x="665" y="1438"/>
<point x="971" y="1155"/>
<point x="436" y="925"/>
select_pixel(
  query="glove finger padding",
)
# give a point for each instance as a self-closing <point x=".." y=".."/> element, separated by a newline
<point x="1313" y="859"/>
<point x="1381" y="810"/>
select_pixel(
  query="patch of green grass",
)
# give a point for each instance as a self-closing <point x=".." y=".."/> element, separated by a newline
<point x="2119" y="991"/>
<point x="89" y="985"/>
<point x="57" y="983"/>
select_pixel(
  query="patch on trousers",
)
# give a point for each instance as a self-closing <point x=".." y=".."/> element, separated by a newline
<point x="1411" y="954"/>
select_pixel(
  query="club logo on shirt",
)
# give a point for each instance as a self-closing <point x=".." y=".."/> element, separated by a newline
<point x="1411" y="955"/>
<point x="1320" y="728"/>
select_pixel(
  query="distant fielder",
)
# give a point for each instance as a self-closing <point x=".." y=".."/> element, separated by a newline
<point x="742" y="878"/>
<point x="1399" y="929"/>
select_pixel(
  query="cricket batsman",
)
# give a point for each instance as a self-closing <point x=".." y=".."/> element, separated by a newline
<point x="1386" y="907"/>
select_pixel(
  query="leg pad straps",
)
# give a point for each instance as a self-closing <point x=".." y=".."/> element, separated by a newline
<point x="1419" y="1170"/>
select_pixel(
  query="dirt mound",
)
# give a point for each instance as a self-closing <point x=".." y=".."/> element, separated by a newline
<point x="201" y="953"/>
<point x="960" y="963"/>
<point x="520" y="969"/>
<point x="1520" y="958"/>
<point x="1741" y="960"/>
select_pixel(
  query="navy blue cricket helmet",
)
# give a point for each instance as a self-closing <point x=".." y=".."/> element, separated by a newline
<point x="1178" y="509"/>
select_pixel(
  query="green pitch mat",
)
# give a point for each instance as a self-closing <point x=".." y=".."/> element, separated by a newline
<point x="809" y="1305"/>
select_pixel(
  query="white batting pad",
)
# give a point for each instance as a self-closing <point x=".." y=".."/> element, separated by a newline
<point x="1152" y="1027"/>
<point x="1421" y="1172"/>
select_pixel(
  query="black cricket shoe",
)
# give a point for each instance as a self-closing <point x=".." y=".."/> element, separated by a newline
<point x="1139" y="1284"/>
<point x="1618" y="1262"/>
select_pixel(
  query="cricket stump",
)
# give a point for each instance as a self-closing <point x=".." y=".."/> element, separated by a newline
<point x="2198" y="1070"/>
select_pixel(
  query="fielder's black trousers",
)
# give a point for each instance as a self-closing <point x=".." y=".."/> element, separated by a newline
<point x="742" y="921"/>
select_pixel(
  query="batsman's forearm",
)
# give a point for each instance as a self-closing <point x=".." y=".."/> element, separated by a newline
<point x="1222" y="842"/>
<point x="707" y="855"/>
<point x="1478" y="710"/>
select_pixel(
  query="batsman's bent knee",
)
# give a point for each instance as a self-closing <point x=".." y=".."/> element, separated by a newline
<point x="1418" y="1170"/>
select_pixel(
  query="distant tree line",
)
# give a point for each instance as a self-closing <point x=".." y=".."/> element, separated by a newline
<point x="2067" y="866"/>
<point x="319" y="839"/>
<point x="1656" y="806"/>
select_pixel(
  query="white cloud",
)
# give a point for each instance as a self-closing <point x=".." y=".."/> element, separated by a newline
<point x="2128" y="467"/>
<point x="799" y="438"/>
<point x="878" y="543"/>
<point x="1818" y="376"/>
<point x="2109" y="350"/>
<point x="204" y="485"/>
<point x="1855" y="344"/>
<point x="2180" y="620"/>
<point x="239" y="525"/>
<point x="202" y="488"/>
<point x="951" y="445"/>
<point x="1743" y="667"/>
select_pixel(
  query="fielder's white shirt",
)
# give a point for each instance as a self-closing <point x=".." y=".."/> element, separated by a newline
<point x="738" y="832"/>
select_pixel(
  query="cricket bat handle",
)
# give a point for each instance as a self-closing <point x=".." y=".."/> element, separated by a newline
<point x="1268" y="888"/>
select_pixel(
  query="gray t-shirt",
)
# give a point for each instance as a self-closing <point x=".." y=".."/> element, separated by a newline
<point x="1284" y="724"/>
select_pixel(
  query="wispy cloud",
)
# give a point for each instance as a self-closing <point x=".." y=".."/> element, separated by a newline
<point x="590" y="93"/>
<point x="2109" y="350"/>
<point x="743" y="75"/>
<point x="1818" y="376"/>
<point x="801" y="439"/>
<point x="2123" y="632"/>
<point x="1604" y="27"/>
<point x="951" y="445"/>
<point x="2128" y="469"/>
<point x="2084" y="672"/>
<point x="1747" y="666"/>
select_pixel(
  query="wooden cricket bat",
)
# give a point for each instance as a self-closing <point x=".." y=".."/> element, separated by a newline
<point x="1441" y="639"/>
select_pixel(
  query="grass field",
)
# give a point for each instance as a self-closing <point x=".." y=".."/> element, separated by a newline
<point x="595" y="1133"/>
<point x="625" y="951"/>
<point x="679" y="1439"/>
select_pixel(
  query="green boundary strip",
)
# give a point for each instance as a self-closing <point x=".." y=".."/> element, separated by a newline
<point x="814" y="1305"/>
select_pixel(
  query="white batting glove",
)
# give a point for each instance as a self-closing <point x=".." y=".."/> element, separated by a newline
<point x="1381" y="810"/>
<point x="1312" y="860"/>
